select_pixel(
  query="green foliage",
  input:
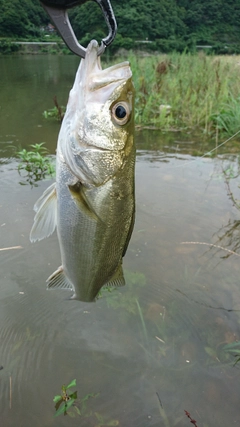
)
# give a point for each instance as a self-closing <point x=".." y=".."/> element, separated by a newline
<point x="228" y="117"/>
<point x="170" y="25"/>
<point x="225" y="353"/>
<point x="56" y="113"/>
<point x="35" y="164"/>
<point x="121" y="42"/>
<point x="125" y="302"/>
<point x="197" y="88"/>
<point x="183" y="91"/>
<point x="68" y="399"/>
<point x="21" y="18"/>
<point x="7" y="47"/>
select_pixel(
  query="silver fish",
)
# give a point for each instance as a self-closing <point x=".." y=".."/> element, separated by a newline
<point x="92" y="203"/>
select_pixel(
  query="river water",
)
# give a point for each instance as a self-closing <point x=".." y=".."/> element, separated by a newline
<point x="166" y="342"/>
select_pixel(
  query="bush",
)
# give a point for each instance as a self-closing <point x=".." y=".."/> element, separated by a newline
<point x="7" y="47"/>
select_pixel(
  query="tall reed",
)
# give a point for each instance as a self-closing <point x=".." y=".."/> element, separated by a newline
<point x="187" y="91"/>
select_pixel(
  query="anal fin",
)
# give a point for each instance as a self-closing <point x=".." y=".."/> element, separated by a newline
<point x="58" y="280"/>
<point x="117" y="279"/>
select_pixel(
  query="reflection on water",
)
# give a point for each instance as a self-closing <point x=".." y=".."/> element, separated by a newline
<point x="172" y="330"/>
<point x="28" y="85"/>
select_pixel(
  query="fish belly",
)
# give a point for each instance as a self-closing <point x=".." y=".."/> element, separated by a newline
<point x="92" y="246"/>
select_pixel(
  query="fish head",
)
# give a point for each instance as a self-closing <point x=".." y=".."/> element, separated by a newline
<point x="100" y="113"/>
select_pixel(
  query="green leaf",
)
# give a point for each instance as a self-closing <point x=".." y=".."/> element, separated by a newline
<point x="237" y="351"/>
<point x="232" y="345"/>
<point x="237" y="360"/>
<point x="69" y="403"/>
<point x="60" y="410"/>
<point x="73" y="383"/>
<point x="73" y="395"/>
<point x="57" y="398"/>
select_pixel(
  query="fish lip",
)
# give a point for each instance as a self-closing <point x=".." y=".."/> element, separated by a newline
<point x="101" y="77"/>
<point x="92" y="65"/>
<point x="93" y="46"/>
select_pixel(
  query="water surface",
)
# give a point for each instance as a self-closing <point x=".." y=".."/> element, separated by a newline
<point x="171" y="333"/>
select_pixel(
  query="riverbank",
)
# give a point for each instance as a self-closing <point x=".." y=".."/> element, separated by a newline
<point x="190" y="92"/>
<point x="7" y="46"/>
<point x="184" y="92"/>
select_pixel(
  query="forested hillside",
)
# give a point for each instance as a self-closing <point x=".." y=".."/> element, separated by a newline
<point x="168" y="24"/>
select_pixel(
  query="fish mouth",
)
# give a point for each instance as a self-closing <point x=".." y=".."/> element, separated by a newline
<point x="115" y="74"/>
<point x="91" y="74"/>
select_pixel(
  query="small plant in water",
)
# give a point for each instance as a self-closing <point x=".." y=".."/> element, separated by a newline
<point x="57" y="112"/>
<point x="35" y="163"/>
<point x="68" y="399"/>
<point x="64" y="401"/>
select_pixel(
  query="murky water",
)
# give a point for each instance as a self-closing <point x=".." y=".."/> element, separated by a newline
<point x="171" y="333"/>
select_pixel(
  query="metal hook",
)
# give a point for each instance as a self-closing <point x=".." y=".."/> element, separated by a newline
<point x="57" y="10"/>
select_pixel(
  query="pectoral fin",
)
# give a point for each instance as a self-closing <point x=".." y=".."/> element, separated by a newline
<point x="79" y="197"/>
<point x="117" y="279"/>
<point x="59" y="280"/>
<point x="45" y="220"/>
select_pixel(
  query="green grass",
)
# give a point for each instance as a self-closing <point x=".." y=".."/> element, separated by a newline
<point x="185" y="91"/>
<point x="202" y="91"/>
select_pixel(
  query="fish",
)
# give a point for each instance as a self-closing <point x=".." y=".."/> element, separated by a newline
<point x="92" y="202"/>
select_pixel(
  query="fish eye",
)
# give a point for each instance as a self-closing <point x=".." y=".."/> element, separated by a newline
<point x="121" y="113"/>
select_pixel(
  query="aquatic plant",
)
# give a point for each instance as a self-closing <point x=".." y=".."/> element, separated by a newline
<point x="237" y="360"/>
<point x="224" y="353"/>
<point x="233" y="347"/>
<point x="57" y="112"/>
<point x="64" y="401"/>
<point x="68" y="399"/>
<point x="124" y="301"/>
<point x="162" y="412"/>
<point x="51" y="113"/>
<point x="35" y="163"/>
